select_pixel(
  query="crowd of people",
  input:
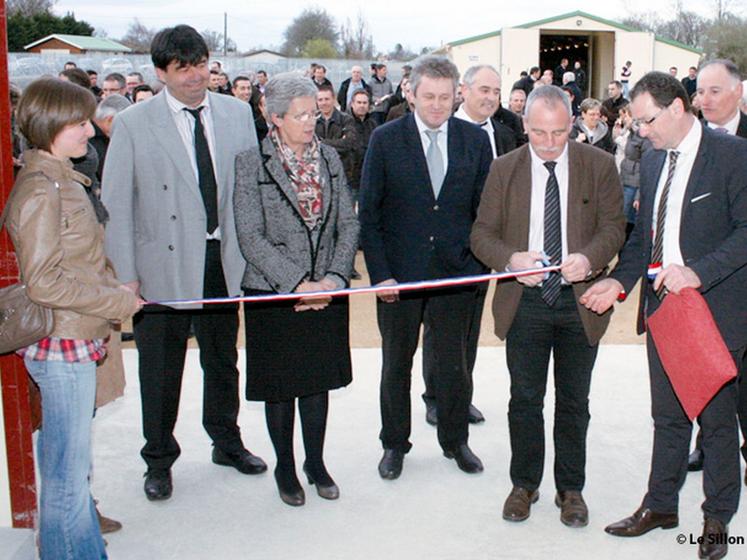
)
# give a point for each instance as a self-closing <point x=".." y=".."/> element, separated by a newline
<point x="202" y="186"/>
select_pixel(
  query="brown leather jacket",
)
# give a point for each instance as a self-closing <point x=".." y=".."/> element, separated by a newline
<point x="60" y="249"/>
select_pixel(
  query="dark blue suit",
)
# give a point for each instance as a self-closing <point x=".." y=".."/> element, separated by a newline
<point x="713" y="242"/>
<point x="407" y="234"/>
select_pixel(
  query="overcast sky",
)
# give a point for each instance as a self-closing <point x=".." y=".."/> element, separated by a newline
<point x="414" y="23"/>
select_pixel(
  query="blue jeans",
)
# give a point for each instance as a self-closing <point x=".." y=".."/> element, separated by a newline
<point x="629" y="193"/>
<point x="69" y="529"/>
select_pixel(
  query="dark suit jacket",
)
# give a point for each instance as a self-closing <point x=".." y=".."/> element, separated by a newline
<point x="742" y="127"/>
<point x="713" y="231"/>
<point x="505" y="139"/>
<point x="513" y="121"/>
<point x="406" y="233"/>
<point x="596" y="225"/>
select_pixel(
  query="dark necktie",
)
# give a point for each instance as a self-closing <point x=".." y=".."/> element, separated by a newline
<point x="205" y="173"/>
<point x="553" y="242"/>
<point x="657" y="253"/>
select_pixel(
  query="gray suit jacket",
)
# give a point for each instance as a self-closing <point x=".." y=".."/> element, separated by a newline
<point x="278" y="246"/>
<point x="156" y="234"/>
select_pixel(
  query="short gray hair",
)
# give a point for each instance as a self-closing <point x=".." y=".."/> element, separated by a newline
<point x="727" y="65"/>
<point x="549" y="95"/>
<point x="589" y="104"/>
<point x="283" y="88"/>
<point x="433" y="67"/>
<point x="469" y="76"/>
<point x="111" y="105"/>
<point x="569" y="77"/>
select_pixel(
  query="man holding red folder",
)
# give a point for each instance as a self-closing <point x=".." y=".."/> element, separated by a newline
<point x="691" y="232"/>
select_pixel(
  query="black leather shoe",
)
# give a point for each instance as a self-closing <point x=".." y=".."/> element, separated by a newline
<point x="475" y="416"/>
<point x="573" y="510"/>
<point x="641" y="522"/>
<point x="326" y="489"/>
<point x="465" y="459"/>
<point x="519" y="503"/>
<point x="243" y="461"/>
<point x="158" y="485"/>
<point x="390" y="466"/>
<point x="715" y="541"/>
<point x="695" y="460"/>
<point x="290" y="490"/>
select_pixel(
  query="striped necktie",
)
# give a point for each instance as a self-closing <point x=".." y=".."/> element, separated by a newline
<point x="657" y="253"/>
<point x="553" y="241"/>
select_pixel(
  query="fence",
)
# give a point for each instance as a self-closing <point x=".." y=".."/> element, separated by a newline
<point x="26" y="67"/>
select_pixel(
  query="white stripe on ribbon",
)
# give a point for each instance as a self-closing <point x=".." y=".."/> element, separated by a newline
<point x="403" y="287"/>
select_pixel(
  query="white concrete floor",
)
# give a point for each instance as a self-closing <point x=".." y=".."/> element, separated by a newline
<point x="432" y="511"/>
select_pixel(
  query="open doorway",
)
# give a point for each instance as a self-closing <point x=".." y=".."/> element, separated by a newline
<point x="554" y="47"/>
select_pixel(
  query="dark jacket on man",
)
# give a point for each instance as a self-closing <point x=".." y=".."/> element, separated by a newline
<point x="526" y="83"/>
<point x="613" y="106"/>
<point x="339" y="132"/>
<point x="342" y="94"/>
<point x="512" y="121"/>
<point x="363" y="130"/>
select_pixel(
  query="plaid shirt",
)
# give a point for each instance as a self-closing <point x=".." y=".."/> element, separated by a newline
<point x="65" y="350"/>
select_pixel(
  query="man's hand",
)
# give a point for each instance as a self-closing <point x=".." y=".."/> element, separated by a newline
<point x="575" y="267"/>
<point x="388" y="296"/>
<point x="601" y="296"/>
<point x="526" y="260"/>
<point x="675" y="277"/>
<point x="316" y="303"/>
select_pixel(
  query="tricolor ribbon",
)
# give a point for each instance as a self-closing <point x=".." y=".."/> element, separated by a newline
<point x="403" y="287"/>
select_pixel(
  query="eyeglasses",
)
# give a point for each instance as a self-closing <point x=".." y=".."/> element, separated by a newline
<point x="305" y="117"/>
<point x="638" y="123"/>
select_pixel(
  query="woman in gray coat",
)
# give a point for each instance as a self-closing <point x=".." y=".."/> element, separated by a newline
<point x="298" y="233"/>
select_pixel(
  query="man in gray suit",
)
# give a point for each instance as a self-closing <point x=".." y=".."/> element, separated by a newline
<point x="169" y="179"/>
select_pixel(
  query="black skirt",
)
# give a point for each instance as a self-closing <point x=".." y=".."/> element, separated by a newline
<point x="292" y="354"/>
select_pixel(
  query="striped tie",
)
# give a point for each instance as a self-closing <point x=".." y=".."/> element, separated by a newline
<point x="553" y="244"/>
<point x="657" y="254"/>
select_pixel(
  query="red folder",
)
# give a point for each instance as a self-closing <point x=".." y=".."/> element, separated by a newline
<point x="691" y="349"/>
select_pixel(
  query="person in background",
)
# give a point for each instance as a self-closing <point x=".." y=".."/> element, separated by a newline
<point x="141" y="93"/>
<point x="590" y="128"/>
<point x="93" y="79"/>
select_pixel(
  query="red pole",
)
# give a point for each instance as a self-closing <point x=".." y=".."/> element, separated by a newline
<point x="17" y="412"/>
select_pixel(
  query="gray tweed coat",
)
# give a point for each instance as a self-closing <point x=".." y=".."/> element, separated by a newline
<point x="279" y="249"/>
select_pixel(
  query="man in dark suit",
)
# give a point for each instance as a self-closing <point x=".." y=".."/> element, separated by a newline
<point x="527" y="82"/>
<point x="421" y="184"/>
<point x="481" y="91"/>
<point x="557" y="201"/>
<point x="719" y="88"/>
<point x="694" y="198"/>
<point x="168" y="185"/>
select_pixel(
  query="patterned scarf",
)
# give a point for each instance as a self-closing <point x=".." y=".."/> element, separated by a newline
<point x="304" y="175"/>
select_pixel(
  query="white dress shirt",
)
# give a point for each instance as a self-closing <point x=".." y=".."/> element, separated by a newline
<point x="540" y="174"/>
<point x="731" y="126"/>
<point x="688" y="149"/>
<point x="185" y="124"/>
<point x="442" y="139"/>
<point x="487" y="126"/>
